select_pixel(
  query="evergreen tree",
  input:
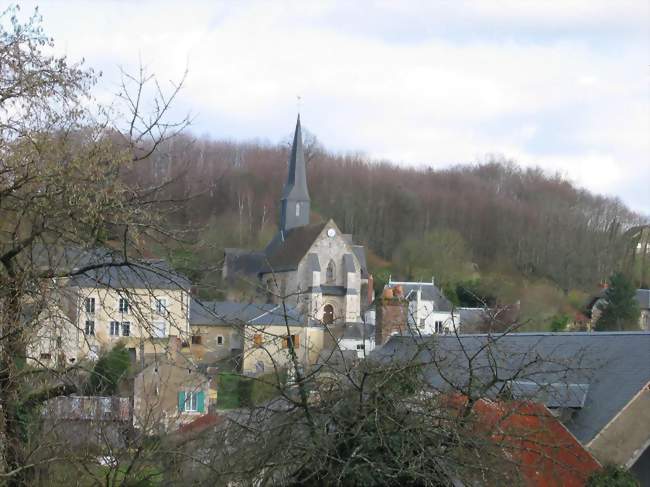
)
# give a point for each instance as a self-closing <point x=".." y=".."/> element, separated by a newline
<point x="620" y="311"/>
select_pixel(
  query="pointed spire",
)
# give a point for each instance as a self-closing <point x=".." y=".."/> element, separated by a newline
<point x="295" y="196"/>
<point x="296" y="185"/>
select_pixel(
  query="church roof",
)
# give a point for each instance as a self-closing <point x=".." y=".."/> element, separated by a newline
<point x="285" y="254"/>
<point x="296" y="185"/>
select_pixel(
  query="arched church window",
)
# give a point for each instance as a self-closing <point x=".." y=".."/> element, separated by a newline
<point x="328" y="314"/>
<point x="330" y="275"/>
<point x="297" y="209"/>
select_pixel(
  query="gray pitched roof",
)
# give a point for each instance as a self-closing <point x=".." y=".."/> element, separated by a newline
<point x="360" y="253"/>
<point x="612" y="366"/>
<point x="285" y="254"/>
<point x="358" y="331"/>
<point x="348" y="263"/>
<point x="643" y="297"/>
<point x="107" y="268"/>
<point x="430" y="292"/>
<point x="296" y="185"/>
<point x="231" y="313"/>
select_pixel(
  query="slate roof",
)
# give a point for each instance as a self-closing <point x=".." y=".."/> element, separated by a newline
<point x="360" y="253"/>
<point x="614" y="365"/>
<point x="108" y="269"/>
<point x="359" y="331"/>
<point x="285" y="254"/>
<point x="430" y="292"/>
<point x="296" y="185"/>
<point x="153" y="274"/>
<point x="207" y="313"/>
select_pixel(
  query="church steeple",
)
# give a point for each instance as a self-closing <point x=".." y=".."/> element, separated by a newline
<point x="295" y="196"/>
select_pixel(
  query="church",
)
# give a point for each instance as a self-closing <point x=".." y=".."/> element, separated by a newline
<point x="312" y="267"/>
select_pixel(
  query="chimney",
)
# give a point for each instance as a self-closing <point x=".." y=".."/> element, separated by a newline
<point x="392" y="318"/>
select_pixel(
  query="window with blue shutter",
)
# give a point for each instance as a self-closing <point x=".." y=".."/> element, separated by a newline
<point x="181" y="401"/>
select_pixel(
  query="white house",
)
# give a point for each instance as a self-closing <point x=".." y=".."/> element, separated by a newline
<point x="430" y="312"/>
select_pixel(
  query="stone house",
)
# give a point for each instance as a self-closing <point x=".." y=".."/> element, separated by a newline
<point x="253" y="338"/>
<point x="170" y="392"/>
<point x="429" y="311"/>
<point x="142" y="304"/>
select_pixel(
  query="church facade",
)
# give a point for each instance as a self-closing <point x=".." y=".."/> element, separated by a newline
<point x="313" y="267"/>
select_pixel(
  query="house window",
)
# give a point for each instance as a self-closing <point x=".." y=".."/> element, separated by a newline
<point x="330" y="274"/>
<point x="123" y="305"/>
<point x="196" y="339"/>
<point x="89" y="304"/>
<point x="361" y="346"/>
<point x="219" y="340"/>
<point x="328" y="314"/>
<point x="126" y="328"/>
<point x="291" y="339"/>
<point x="297" y="209"/>
<point x="159" y="329"/>
<point x="257" y="339"/>
<point x="438" y="326"/>
<point x="115" y="328"/>
<point x="46" y="356"/>
<point x="192" y="401"/>
<point x="90" y="327"/>
<point x="161" y="306"/>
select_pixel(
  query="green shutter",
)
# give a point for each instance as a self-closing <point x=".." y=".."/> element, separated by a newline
<point x="200" y="407"/>
<point x="181" y="401"/>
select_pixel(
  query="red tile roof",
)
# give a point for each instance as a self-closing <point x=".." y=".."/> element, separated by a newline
<point x="546" y="453"/>
<point x="201" y="423"/>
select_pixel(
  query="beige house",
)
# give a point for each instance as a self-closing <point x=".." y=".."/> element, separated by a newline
<point x="170" y="392"/>
<point x="143" y="305"/>
<point x="255" y="338"/>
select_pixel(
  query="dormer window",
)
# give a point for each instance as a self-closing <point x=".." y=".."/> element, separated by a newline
<point x="330" y="274"/>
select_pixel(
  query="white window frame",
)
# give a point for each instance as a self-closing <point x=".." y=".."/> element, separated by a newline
<point x="89" y="327"/>
<point x="157" y="327"/>
<point x="114" y="328"/>
<point x="123" y="305"/>
<point x="191" y="402"/>
<point x="126" y="324"/>
<point x="220" y="340"/>
<point x="89" y="305"/>
<point x="160" y="306"/>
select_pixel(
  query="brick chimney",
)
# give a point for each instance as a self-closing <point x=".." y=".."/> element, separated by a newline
<point x="392" y="318"/>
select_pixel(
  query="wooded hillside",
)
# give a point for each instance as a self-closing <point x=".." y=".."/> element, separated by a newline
<point x="457" y="223"/>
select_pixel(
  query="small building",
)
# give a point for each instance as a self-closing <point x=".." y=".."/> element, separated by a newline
<point x="255" y="338"/>
<point x="170" y="392"/>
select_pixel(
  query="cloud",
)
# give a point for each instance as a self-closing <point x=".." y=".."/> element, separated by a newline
<point x="560" y="84"/>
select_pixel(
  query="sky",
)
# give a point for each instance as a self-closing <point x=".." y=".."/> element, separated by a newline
<point x="563" y="85"/>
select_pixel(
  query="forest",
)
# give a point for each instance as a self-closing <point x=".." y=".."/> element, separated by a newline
<point x="506" y="233"/>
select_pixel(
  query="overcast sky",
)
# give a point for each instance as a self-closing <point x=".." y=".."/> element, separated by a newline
<point x="559" y="84"/>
